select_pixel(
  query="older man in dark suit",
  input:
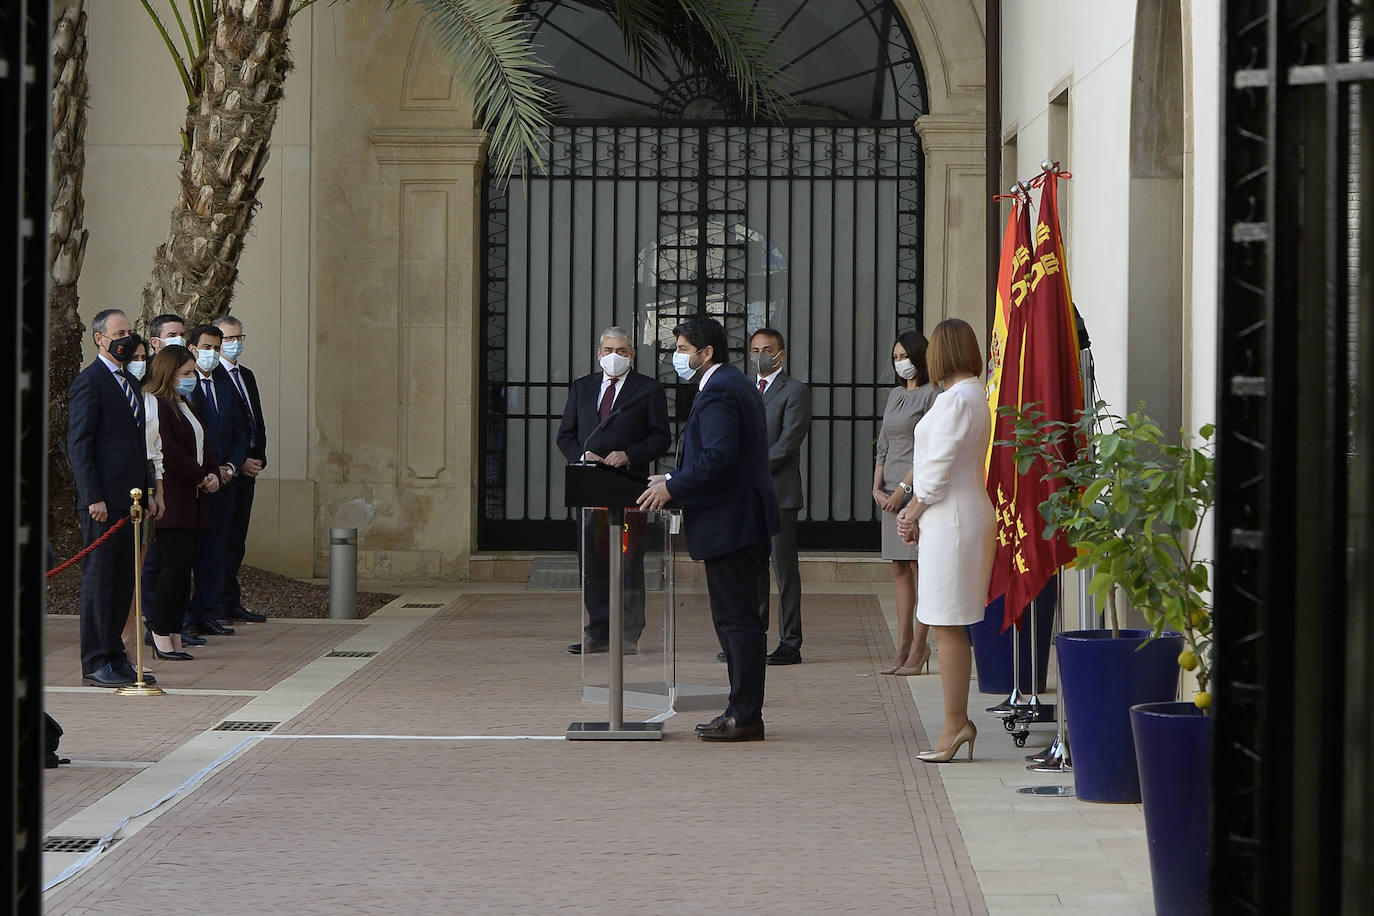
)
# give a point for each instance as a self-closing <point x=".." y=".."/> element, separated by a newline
<point x="246" y="386"/>
<point x="787" y="408"/>
<point x="109" y="457"/>
<point x="729" y="512"/>
<point x="619" y="417"/>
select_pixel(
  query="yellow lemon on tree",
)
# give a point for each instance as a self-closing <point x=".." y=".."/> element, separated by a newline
<point x="1187" y="659"/>
<point x="1202" y="700"/>
<point x="1199" y="618"/>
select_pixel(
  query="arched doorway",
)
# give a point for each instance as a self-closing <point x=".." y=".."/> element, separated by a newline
<point x="658" y="206"/>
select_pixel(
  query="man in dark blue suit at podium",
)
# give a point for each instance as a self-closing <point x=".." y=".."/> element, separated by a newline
<point x="729" y="511"/>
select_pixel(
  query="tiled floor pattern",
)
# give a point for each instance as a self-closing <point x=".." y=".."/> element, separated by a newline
<point x="831" y="814"/>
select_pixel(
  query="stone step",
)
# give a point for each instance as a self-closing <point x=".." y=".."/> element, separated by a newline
<point x="818" y="566"/>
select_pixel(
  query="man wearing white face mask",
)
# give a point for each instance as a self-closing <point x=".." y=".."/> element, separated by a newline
<point x="164" y="330"/>
<point x="246" y="386"/>
<point x="619" y="417"/>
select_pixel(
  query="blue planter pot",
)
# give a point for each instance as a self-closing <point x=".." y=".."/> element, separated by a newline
<point x="992" y="647"/>
<point x="1173" y="750"/>
<point x="1102" y="678"/>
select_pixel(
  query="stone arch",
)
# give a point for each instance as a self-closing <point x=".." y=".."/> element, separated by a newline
<point x="1155" y="269"/>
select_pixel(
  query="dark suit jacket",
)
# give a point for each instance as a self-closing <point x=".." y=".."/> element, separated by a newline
<point x="640" y="428"/>
<point x="187" y="507"/>
<point x="105" y="440"/>
<point x="723" y="486"/>
<point x="257" y="425"/>
<point x="787" y="405"/>
<point x="228" y="438"/>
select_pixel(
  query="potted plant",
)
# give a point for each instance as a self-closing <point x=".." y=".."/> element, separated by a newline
<point x="1131" y="504"/>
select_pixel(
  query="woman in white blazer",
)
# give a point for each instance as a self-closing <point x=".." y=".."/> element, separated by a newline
<point x="952" y="521"/>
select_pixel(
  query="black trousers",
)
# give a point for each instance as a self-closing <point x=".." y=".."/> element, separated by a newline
<point x="231" y="597"/>
<point x="211" y="555"/>
<point x="594" y="552"/>
<point x="785" y="567"/>
<point x="177" y="553"/>
<point x="107" y="587"/>
<point x="732" y="582"/>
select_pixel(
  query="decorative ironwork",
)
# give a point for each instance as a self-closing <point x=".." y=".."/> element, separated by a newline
<point x="812" y="226"/>
<point x="1294" y="306"/>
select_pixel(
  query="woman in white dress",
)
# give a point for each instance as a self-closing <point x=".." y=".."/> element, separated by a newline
<point x="952" y="520"/>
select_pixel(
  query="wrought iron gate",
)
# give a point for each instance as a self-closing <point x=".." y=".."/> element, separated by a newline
<point x="814" y="230"/>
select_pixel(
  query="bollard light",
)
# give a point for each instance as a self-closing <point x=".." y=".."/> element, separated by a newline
<point x="343" y="573"/>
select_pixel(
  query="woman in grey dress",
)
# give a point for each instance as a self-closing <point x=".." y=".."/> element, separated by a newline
<point x="892" y="475"/>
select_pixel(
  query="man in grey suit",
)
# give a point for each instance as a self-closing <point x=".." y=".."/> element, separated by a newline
<point x="787" y="407"/>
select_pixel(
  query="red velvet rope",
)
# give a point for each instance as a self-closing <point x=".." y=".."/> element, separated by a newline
<point x="85" y="553"/>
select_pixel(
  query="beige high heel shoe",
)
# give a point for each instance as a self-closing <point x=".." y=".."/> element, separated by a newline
<point x="965" y="736"/>
<point x="922" y="662"/>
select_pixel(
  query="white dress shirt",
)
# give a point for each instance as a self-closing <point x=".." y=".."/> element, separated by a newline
<point x="152" y="433"/>
<point x="767" y="378"/>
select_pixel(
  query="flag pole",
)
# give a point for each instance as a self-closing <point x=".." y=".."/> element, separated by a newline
<point x="1055" y="758"/>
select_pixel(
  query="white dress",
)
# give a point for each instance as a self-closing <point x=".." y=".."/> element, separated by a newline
<point x="959" y="529"/>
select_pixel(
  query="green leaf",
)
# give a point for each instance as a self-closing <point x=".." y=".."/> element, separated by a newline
<point x="1094" y="490"/>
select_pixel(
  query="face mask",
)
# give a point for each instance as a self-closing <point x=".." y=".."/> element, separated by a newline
<point x="231" y="349"/>
<point x="904" y="368"/>
<point x="764" y="363"/>
<point x="186" y="385"/>
<point x="137" y="368"/>
<point x="207" y="360"/>
<point x="174" y="341"/>
<point x="613" y="363"/>
<point x="682" y="365"/>
<point x="122" y="350"/>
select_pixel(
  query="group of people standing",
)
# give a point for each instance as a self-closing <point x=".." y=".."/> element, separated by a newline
<point x="739" y="486"/>
<point x="178" y="417"/>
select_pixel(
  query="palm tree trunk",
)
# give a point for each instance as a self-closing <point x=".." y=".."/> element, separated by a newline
<point x="66" y="251"/>
<point x="225" y="144"/>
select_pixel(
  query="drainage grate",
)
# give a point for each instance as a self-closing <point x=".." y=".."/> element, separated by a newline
<point x="559" y="574"/>
<point x="229" y="725"/>
<point x="349" y="653"/>
<point x="72" y="843"/>
<point x="423" y="605"/>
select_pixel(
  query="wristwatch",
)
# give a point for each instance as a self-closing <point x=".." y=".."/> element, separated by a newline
<point x="905" y="486"/>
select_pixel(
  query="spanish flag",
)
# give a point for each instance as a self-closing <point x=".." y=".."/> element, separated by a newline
<point x="1039" y="372"/>
<point x="997" y="348"/>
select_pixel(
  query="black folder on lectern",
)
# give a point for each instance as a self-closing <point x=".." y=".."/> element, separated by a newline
<point x="593" y="484"/>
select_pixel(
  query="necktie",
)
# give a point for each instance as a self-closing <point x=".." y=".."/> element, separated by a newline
<point x="207" y="391"/>
<point x="763" y="383"/>
<point x="247" y="406"/>
<point x="128" y="392"/>
<point x="607" y="400"/>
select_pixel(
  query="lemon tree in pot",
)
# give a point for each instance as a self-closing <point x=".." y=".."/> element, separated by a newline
<point x="1132" y="505"/>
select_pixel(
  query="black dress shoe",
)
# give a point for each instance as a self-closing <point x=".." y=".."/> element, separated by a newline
<point x="720" y="656"/>
<point x="105" y="676"/>
<point x="785" y="655"/>
<point x="242" y="613"/>
<point x="214" y="628"/>
<point x="127" y="669"/>
<point x="190" y="639"/>
<point x="171" y="656"/>
<point x="593" y="648"/>
<point x="707" y="726"/>
<point x="728" y="729"/>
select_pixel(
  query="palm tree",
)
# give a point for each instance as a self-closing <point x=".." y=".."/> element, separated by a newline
<point x="233" y="63"/>
<point x="66" y="251"/>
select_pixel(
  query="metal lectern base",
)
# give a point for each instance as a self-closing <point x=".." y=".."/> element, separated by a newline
<point x="628" y="731"/>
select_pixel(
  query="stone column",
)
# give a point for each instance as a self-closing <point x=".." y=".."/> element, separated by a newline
<point x="955" y="230"/>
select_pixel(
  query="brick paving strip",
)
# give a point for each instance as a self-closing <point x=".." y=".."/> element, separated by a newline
<point x="830" y="814"/>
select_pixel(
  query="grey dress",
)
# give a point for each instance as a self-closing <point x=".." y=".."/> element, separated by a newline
<point x="905" y="408"/>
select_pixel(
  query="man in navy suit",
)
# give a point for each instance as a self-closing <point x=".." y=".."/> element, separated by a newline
<point x="729" y="511"/>
<point x="226" y="433"/>
<point x="246" y="386"/>
<point x="109" y="457"/>
<point x="619" y="417"/>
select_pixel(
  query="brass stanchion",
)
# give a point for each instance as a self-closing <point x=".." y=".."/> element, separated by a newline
<point x="138" y="688"/>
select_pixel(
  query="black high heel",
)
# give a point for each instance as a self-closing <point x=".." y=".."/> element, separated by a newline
<point x="173" y="656"/>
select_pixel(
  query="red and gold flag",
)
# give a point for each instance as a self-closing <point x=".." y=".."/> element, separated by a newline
<point x="997" y="348"/>
<point x="1040" y="368"/>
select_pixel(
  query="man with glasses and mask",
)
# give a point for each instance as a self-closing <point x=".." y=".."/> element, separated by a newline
<point x="109" y="457"/>
<point x="787" y="407"/>
<point x="246" y="386"/>
<point x="620" y="417"/>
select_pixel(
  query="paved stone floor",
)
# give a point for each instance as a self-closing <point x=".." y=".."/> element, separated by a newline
<point x="432" y="777"/>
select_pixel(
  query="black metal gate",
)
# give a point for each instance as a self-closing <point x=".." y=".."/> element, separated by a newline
<point x="812" y="227"/>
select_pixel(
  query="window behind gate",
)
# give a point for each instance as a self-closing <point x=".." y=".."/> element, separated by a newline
<point x="656" y="208"/>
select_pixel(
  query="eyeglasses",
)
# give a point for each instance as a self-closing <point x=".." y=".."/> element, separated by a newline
<point x="239" y="337"/>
